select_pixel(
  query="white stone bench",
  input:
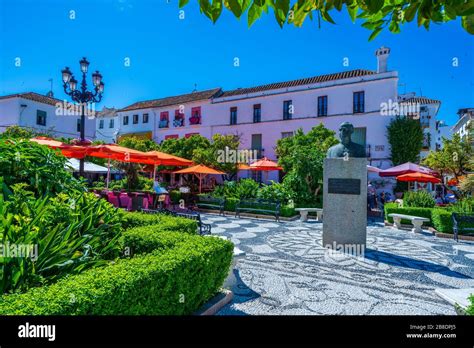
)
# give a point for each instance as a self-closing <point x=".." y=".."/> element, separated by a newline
<point x="416" y="221"/>
<point x="304" y="213"/>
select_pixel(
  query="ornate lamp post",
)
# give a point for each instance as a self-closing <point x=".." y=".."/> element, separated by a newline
<point x="82" y="96"/>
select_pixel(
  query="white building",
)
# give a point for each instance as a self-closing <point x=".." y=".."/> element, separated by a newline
<point x="263" y="114"/>
<point x="465" y="124"/>
<point x="43" y="114"/>
<point x="425" y="110"/>
<point x="107" y="125"/>
<point x="444" y="131"/>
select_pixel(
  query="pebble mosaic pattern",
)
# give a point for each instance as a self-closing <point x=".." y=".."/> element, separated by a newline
<point x="286" y="271"/>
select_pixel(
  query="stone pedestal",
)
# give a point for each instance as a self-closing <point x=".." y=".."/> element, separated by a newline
<point x="345" y="203"/>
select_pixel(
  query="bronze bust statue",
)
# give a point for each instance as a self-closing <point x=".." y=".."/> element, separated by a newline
<point x="346" y="147"/>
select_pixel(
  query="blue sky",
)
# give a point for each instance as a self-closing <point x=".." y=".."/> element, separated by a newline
<point x="168" y="55"/>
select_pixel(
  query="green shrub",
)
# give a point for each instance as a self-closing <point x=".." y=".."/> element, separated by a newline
<point x="288" y="211"/>
<point x="421" y="199"/>
<point x="465" y="205"/>
<point x="470" y="309"/>
<point x="275" y="192"/>
<point x="175" y="196"/>
<point x="71" y="233"/>
<point x="442" y="220"/>
<point x="168" y="223"/>
<point x="230" y="204"/>
<point x="140" y="240"/>
<point x="42" y="169"/>
<point x="174" y="281"/>
<point x="393" y="208"/>
<point x="243" y="189"/>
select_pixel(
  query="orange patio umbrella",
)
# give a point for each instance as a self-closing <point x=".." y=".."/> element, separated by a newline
<point x="243" y="166"/>
<point x="118" y="153"/>
<point x="265" y="165"/>
<point x="70" y="151"/>
<point x="200" y="171"/>
<point x="159" y="158"/>
<point x="418" y="177"/>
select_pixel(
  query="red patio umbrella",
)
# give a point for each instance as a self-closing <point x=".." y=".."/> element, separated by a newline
<point x="70" y="151"/>
<point x="418" y="177"/>
<point x="406" y="168"/>
<point x="265" y="165"/>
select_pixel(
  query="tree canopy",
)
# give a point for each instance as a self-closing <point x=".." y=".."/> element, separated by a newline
<point x="405" y="137"/>
<point x="302" y="157"/>
<point x="455" y="158"/>
<point x="377" y="15"/>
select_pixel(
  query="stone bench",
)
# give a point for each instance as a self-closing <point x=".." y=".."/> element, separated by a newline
<point x="416" y="221"/>
<point x="304" y="213"/>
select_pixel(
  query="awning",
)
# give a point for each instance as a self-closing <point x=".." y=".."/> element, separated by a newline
<point x="89" y="167"/>
<point x="406" y="168"/>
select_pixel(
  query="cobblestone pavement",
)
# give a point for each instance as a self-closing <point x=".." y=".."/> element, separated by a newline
<point x="286" y="270"/>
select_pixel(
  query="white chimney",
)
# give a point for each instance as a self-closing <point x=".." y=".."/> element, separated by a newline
<point x="382" y="55"/>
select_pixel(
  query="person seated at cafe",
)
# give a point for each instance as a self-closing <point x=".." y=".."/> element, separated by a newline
<point x="439" y="200"/>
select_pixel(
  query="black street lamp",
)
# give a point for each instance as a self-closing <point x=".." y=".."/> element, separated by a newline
<point x="82" y="95"/>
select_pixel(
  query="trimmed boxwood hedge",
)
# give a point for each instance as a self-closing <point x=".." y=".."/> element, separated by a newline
<point x="169" y="223"/>
<point x="393" y="208"/>
<point x="149" y="238"/>
<point x="176" y="279"/>
<point x="442" y="220"/>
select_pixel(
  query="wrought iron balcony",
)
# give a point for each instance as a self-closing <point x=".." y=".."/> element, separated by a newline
<point x="178" y="122"/>
<point x="164" y="124"/>
<point x="195" y="120"/>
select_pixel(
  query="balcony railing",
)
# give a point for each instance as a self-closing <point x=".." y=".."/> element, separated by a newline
<point x="178" y="122"/>
<point x="164" y="124"/>
<point x="195" y="120"/>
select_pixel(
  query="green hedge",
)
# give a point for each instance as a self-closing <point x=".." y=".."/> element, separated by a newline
<point x="393" y="208"/>
<point x="442" y="220"/>
<point x="146" y="239"/>
<point x="169" y="223"/>
<point x="170" y="281"/>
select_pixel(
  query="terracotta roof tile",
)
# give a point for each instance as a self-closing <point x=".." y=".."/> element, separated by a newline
<point x="300" y="82"/>
<point x="33" y="96"/>
<point x="420" y="100"/>
<point x="175" y="100"/>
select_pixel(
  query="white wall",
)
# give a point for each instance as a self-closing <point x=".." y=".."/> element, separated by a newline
<point x="9" y="113"/>
<point x="57" y="125"/>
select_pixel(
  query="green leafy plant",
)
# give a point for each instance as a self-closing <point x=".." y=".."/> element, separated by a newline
<point x="375" y="14"/>
<point x="302" y="157"/>
<point x="243" y="189"/>
<point x="69" y="232"/>
<point x="422" y="199"/>
<point x="42" y="169"/>
<point x="276" y="192"/>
